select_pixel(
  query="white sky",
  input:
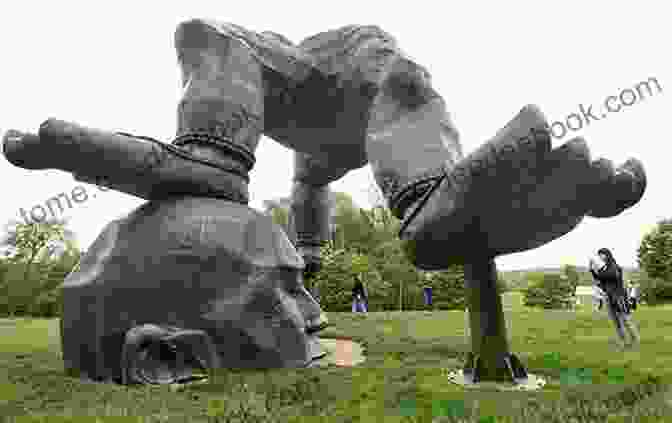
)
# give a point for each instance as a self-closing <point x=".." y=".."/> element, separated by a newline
<point x="112" y="65"/>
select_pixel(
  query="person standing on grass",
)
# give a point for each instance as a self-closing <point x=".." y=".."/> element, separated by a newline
<point x="610" y="277"/>
<point x="359" y="297"/>
<point x="428" y="295"/>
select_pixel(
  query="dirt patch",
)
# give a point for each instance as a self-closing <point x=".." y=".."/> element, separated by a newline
<point x="341" y="352"/>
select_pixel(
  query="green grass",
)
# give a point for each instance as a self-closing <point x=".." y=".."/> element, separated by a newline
<point x="407" y="354"/>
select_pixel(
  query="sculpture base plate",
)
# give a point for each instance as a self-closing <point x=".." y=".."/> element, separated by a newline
<point x="530" y="383"/>
<point x="340" y="352"/>
<point x="180" y="386"/>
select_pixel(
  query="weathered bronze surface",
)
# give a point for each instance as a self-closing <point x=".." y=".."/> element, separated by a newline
<point x="196" y="257"/>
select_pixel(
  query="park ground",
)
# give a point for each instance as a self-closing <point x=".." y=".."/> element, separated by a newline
<point x="403" y="378"/>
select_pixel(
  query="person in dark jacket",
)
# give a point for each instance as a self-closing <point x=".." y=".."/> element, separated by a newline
<point x="359" y="298"/>
<point x="633" y="293"/>
<point x="610" y="277"/>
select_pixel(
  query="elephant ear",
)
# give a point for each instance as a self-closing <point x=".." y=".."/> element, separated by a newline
<point x="162" y="355"/>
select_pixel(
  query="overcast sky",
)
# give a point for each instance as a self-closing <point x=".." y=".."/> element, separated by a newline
<point x="112" y="65"/>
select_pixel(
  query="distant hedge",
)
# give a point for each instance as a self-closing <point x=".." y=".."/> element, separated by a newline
<point x="654" y="291"/>
<point x="549" y="291"/>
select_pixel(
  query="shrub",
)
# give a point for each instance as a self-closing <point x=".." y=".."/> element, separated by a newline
<point x="397" y="271"/>
<point x="550" y="291"/>
<point x="654" y="291"/>
<point x="572" y="275"/>
<point x="654" y="254"/>
<point x="448" y="289"/>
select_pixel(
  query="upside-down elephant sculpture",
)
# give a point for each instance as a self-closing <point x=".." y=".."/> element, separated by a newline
<point x="196" y="257"/>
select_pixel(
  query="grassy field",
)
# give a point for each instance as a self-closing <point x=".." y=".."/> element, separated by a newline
<point x="403" y="379"/>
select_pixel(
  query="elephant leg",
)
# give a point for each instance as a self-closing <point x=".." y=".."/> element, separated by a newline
<point x="220" y="119"/>
<point x="311" y="216"/>
<point x="454" y="207"/>
<point x="312" y="207"/>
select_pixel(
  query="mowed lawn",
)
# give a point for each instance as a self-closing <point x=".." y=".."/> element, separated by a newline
<point x="408" y="355"/>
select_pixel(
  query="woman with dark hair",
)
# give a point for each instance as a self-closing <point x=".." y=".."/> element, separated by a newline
<point x="610" y="277"/>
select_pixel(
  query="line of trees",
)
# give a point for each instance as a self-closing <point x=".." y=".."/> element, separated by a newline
<point x="40" y="255"/>
<point x="365" y="242"/>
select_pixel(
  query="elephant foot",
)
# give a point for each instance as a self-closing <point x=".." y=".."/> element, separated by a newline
<point x="619" y="188"/>
<point x="510" y="369"/>
<point x="514" y="194"/>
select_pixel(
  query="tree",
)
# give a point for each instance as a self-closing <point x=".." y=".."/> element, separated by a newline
<point x="654" y="257"/>
<point x="385" y="248"/>
<point x="32" y="243"/>
<point x="396" y="269"/>
<point x="336" y="277"/>
<point x="354" y="230"/>
<point x="572" y="275"/>
<point x="654" y="254"/>
<point x="28" y="240"/>
<point x="385" y="223"/>
<point x="47" y="300"/>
